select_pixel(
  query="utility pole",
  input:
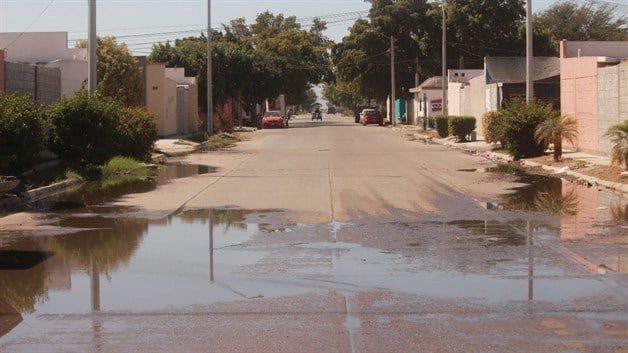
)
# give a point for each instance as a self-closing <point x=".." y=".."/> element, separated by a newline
<point x="392" y="81"/>
<point x="92" y="80"/>
<point x="529" y="54"/>
<point x="444" y="63"/>
<point x="210" y="104"/>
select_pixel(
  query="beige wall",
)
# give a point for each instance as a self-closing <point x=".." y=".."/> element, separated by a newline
<point x="161" y="99"/>
<point x="73" y="75"/>
<point x="579" y="98"/>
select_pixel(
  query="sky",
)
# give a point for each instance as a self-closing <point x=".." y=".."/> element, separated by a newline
<point x="140" y="23"/>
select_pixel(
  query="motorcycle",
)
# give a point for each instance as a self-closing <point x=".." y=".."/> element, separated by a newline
<point x="317" y="115"/>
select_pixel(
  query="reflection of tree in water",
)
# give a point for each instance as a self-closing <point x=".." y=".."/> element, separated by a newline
<point x="619" y="212"/>
<point x="281" y="228"/>
<point x="543" y="194"/>
<point x="23" y="289"/>
<point x="108" y="247"/>
<point x="556" y="203"/>
<point x="230" y="217"/>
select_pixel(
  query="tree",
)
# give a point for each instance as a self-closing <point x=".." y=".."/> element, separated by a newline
<point x="119" y="74"/>
<point x="554" y="130"/>
<point x="587" y="21"/>
<point x="21" y="133"/>
<point x="474" y="29"/>
<point x="269" y="57"/>
<point x="618" y="135"/>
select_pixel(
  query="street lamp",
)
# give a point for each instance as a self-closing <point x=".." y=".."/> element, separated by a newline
<point x="91" y="48"/>
<point x="529" y="57"/>
<point x="444" y="63"/>
<point x="210" y="104"/>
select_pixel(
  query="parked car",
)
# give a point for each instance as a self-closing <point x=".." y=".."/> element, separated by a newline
<point x="273" y="119"/>
<point x="371" y="116"/>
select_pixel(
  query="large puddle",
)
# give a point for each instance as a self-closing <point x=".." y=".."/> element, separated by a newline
<point x="118" y="264"/>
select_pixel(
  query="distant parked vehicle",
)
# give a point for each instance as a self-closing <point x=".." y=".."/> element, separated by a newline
<point x="317" y="115"/>
<point x="273" y="119"/>
<point x="371" y="116"/>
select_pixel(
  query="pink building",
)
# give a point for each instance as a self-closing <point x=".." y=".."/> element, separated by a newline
<point x="594" y="89"/>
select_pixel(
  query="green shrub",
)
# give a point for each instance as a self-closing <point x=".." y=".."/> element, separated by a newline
<point x="520" y="120"/>
<point x="138" y="131"/>
<point x="84" y="129"/>
<point x="492" y="127"/>
<point x="21" y="133"/>
<point x="442" y="126"/>
<point x="461" y="126"/>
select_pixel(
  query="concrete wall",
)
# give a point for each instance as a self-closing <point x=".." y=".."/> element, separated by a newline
<point x="608" y="103"/>
<point x="1" y="70"/>
<point x="574" y="49"/>
<point x="161" y="100"/>
<point x="73" y="75"/>
<point x="579" y="98"/>
<point x="40" y="83"/>
<point x="49" y="49"/>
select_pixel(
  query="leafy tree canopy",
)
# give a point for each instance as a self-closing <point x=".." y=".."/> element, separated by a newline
<point x="272" y="56"/>
<point x="582" y="22"/>
<point x="119" y="74"/>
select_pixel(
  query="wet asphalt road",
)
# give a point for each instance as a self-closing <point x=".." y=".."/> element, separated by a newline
<point x="324" y="237"/>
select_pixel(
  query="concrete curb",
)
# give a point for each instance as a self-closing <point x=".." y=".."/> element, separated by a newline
<point x="470" y="147"/>
<point x="15" y="201"/>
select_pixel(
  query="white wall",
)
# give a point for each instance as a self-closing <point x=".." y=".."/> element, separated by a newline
<point x="50" y="49"/>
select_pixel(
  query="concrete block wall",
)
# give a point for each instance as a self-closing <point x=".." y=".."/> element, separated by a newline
<point x="19" y="79"/>
<point x="48" y="85"/>
<point x="608" y="103"/>
<point x="623" y="91"/>
<point x="40" y="83"/>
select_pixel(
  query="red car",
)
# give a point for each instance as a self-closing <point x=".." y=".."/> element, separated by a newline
<point x="371" y="116"/>
<point x="273" y="119"/>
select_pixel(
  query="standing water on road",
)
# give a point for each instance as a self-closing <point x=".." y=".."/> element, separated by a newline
<point x="208" y="257"/>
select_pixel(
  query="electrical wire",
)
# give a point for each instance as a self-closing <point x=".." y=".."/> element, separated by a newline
<point x="32" y="23"/>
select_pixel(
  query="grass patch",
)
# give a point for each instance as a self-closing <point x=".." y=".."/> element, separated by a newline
<point x="124" y="170"/>
<point x="221" y="141"/>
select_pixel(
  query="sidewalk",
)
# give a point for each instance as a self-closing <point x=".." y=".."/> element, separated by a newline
<point x="487" y="150"/>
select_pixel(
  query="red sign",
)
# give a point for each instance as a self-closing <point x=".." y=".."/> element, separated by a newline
<point x="437" y="104"/>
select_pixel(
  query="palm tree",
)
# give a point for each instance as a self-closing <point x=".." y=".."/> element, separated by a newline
<point x="555" y="129"/>
<point x="618" y="134"/>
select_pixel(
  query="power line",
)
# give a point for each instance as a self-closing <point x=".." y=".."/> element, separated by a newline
<point x="32" y="23"/>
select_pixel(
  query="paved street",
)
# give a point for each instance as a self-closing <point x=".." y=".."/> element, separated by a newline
<point x="323" y="237"/>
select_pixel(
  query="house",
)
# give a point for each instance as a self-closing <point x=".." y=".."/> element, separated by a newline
<point x="594" y="89"/>
<point x="428" y="99"/>
<point x="475" y="92"/>
<point x="44" y="50"/>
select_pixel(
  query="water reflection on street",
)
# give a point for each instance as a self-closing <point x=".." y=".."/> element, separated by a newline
<point x="221" y="255"/>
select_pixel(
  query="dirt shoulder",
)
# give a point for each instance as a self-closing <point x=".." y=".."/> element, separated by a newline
<point x="602" y="172"/>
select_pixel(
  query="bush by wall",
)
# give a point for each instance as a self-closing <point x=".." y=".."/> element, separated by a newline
<point x="492" y="127"/>
<point x="520" y="120"/>
<point x="138" y="131"/>
<point x="442" y="126"/>
<point x="89" y="130"/>
<point x="21" y="133"/>
<point x="84" y="129"/>
<point x="461" y="126"/>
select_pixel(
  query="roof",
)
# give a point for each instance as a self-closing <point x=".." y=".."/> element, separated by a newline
<point x="512" y="69"/>
<point x="435" y="82"/>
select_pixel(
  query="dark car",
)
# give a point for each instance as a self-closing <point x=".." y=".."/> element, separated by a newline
<point x="371" y="116"/>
